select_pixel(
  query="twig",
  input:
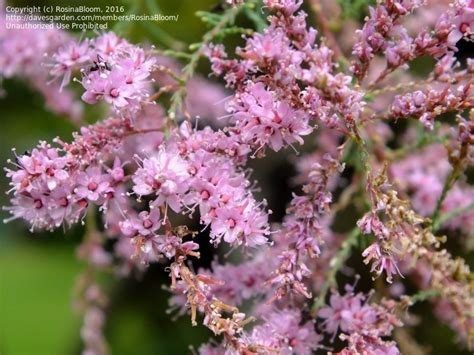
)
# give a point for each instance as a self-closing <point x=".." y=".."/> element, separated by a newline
<point x="458" y="166"/>
<point x="407" y="343"/>
<point x="402" y="86"/>
<point x="188" y="71"/>
<point x="160" y="92"/>
<point x="340" y="258"/>
<point x="424" y="295"/>
<point x="381" y="77"/>
<point x="336" y="263"/>
<point x="451" y="215"/>
<point x="424" y="141"/>
<point x="254" y="16"/>
<point x="324" y="25"/>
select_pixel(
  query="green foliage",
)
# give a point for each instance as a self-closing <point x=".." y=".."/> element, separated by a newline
<point x="424" y="295"/>
<point x="355" y="8"/>
<point x="36" y="316"/>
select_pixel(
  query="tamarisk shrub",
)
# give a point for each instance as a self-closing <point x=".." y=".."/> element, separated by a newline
<point x="149" y="165"/>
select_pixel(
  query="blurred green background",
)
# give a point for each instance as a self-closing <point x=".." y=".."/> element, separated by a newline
<point x="37" y="272"/>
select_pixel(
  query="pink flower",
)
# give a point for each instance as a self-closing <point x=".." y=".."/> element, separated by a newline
<point x="289" y="7"/>
<point x="69" y="57"/>
<point x="116" y="172"/>
<point x="353" y="315"/>
<point x="284" y="81"/>
<point x="284" y="331"/>
<point x="262" y="120"/>
<point x="116" y="72"/>
<point x="370" y="223"/>
<point x="256" y="227"/>
<point x="93" y="185"/>
<point x="268" y="46"/>
<point x="229" y="225"/>
<point x="169" y="245"/>
<point x="116" y="90"/>
<point x="166" y="175"/>
<point x="381" y="261"/>
<point x="94" y="83"/>
<point x="463" y="24"/>
<point x="145" y="224"/>
<point x="107" y="44"/>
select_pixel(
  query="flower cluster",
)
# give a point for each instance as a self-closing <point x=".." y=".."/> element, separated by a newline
<point x="113" y="70"/>
<point x="283" y="80"/>
<point x="303" y="229"/>
<point x="384" y="33"/>
<point x="53" y="185"/>
<point x="362" y="325"/>
<point x="263" y="120"/>
<point x="402" y="238"/>
<point x="463" y="22"/>
<point x="379" y="253"/>
<point x="429" y="104"/>
<point x="282" y="333"/>
<point x="22" y="54"/>
<point x="195" y="172"/>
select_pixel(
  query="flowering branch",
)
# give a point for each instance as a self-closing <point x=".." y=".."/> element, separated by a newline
<point x="90" y="298"/>
<point x="143" y="173"/>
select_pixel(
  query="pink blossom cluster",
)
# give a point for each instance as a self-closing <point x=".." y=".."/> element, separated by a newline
<point x="241" y="282"/>
<point x="113" y="70"/>
<point x="53" y="185"/>
<point x="303" y="229"/>
<point x="431" y="103"/>
<point x="362" y="325"/>
<point x="263" y="120"/>
<point x="282" y="333"/>
<point x="23" y="53"/>
<point x="283" y="80"/>
<point x="463" y="21"/>
<point x="384" y="33"/>
<point x="197" y="170"/>
<point x="383" y="260"/>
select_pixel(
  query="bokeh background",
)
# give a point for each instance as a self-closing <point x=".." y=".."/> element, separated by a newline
<point x="38" y="271"/>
